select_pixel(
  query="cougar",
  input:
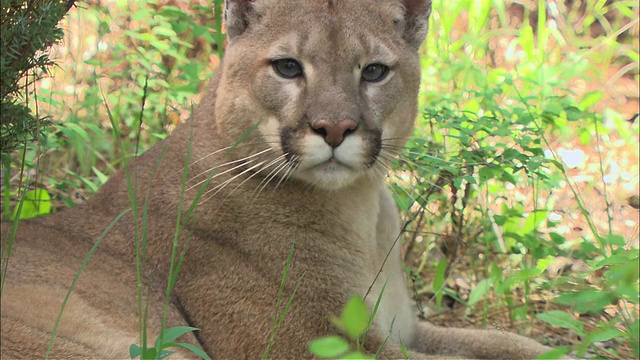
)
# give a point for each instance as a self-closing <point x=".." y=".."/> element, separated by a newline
<point x="283" y="157"/>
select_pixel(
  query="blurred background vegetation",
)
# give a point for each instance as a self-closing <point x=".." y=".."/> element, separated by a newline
<point x="520" y="187"/>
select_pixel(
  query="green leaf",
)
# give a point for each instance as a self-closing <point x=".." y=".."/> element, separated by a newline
<point x="481" y="289"/>
<point x="557" y="238"/>
<point x="605" y="334"/>
<point x="170" y="334"/>
<point x="556" y="353"/>
<point x="355" y="317"/>
<point x="589" y="99"/>
<point x="78" y="130"/>
<point x="101" y="176"/>
<point x="194" y="349"/>
<point x="164" y="353"/>
<point x="533" y="220"/>
<point x="134" y="351"/>
<point x="33" y="204"/>
<point x="438" y="282"/>
<point x="562" y="319"/>
<point x="329" y="346"/>
<point x="404" y="350"/>
<point x="614" y="239"/>
<point x="150" y="354"/>
<point x="164" y="31"/>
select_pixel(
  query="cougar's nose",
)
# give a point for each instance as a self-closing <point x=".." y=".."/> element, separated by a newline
<point x="334" y="132"/>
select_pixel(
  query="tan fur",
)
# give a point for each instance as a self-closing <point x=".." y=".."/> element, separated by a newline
<point x="339" y="213"/>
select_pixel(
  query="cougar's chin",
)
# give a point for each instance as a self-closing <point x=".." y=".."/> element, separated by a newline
<point x="331" y="168"/>
<point x="328" y="176"/>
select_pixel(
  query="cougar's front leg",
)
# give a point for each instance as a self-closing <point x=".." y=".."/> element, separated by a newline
<point x="474" y="343"/>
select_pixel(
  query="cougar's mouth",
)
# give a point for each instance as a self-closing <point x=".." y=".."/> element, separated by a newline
<point x="326" y="166"/>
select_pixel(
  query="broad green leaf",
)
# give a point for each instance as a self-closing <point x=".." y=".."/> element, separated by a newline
<point x="78" y="130"/>
<point x="614" y="239"/>
<point x="164" y="31"/>
<point x="149" y="354"/>
<point x="562" y="319"/>
<point x="589" y="99"/>
<point x="556" y="353"/>
<point x="134" y="351"/>
<point x="329" y="347"/>
<point x="35" y="203"/>
<point x="194" y="349"/>
<point x="170" y="334"/>
<point x="557" y="238"/>
<point x="481" y="289"/>
<point x="543" y="264"/>
<point x="606" y="334"/>
<point x="164" y="353"/>
<point x="101" y="176"/>
<point x="355" y="317"/>
<point x="533" y="220"/>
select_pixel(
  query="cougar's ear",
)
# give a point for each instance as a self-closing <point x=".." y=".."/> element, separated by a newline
<point x="416" y="21"/>
<point x="237" y="16"/>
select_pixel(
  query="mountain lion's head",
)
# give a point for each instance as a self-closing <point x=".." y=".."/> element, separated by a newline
<point x="329" y="86"/>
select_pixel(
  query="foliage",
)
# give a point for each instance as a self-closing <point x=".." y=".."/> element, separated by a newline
<point x="354" y="322"/>
<point x="33" y="204"/>
<point x="28" y="30"/>
<point x="485" y="133"/>
<point x="158" y="58"/>
<point x="164" y="341"/>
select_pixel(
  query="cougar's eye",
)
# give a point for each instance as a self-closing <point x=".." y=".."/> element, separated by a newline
<point x="375" y="72"/>
<point x="287" y="68"/>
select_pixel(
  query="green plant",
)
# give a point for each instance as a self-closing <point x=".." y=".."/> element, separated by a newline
<point x="161" y="52"/>
<point x="34" y="203"/>
<point x="280" y="314"/>
<point x="28" y="30"/>
<point x="354" y="322"/>
<point x="478" y="181"/>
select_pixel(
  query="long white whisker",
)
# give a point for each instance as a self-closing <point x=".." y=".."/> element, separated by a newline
<point x="221" y="186"/>
<point x="230" y="147"/>
<point x="219" y="174"/>
<point x="257" y="172"/>
<point x="229" y="163"/>
<point x="271" y="174"/>
<point x="291" y="165"/>
<point x="293" y="169"/>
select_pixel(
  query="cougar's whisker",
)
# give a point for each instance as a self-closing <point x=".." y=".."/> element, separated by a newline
<point x="293" y="169"/>
<point x="209" y="155"/>
<point x="291" y="166"/>
<point x="218" y="174"/>
<point x="256" y="173"/>
<point x="244" y="144"/>
<point x="229" y="163"/>
<point x="224" y="184"/>
<point x="271" y="175"/>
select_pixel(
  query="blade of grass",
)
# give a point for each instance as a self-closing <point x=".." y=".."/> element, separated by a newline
<point x="10" y="242"/>
<point x="277" y="319"/>
<point x="75" y="279"/>
<point x="373" y="314"/>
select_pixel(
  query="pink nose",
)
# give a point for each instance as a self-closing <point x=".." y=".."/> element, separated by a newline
<point x="334" y="132"/>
